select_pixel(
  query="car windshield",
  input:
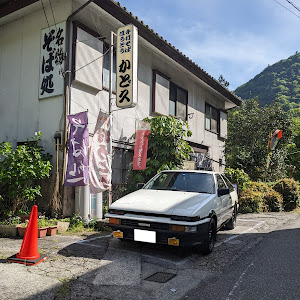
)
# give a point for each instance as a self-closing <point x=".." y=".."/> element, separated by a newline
<point x="183" y="181"/>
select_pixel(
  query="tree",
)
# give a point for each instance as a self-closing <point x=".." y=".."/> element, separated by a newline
<point x="167" y="147"/>
<point x="249" y="128"/>
<point x="294" y="146"/>
<point x="20" y="168"/>
<point x="223" y="81"/>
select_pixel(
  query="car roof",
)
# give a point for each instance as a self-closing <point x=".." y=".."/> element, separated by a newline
<point x="193" y="171"/>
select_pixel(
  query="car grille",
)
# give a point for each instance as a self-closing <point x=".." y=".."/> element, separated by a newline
<point x="153" y="226"/>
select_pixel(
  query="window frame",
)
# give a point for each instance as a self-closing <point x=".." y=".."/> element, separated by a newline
<point x="211" y="108"/>
<point x="105" y="48"/>
<point x="177" y="87"/>
<point x="77" y="24"/>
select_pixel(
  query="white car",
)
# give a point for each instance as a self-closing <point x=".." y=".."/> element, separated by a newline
<point x="178" y="208"/>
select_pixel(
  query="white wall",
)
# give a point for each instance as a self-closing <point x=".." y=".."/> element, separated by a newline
<point x="21" y="112"/>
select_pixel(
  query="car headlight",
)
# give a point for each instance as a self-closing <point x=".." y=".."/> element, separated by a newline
<point x="190" y="229"/>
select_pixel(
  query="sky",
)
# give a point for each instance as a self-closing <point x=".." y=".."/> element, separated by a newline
<point x="234" y="38"/>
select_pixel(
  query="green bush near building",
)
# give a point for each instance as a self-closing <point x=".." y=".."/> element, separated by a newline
<point x="289" y="189"/>
<point x="259" y="197"/>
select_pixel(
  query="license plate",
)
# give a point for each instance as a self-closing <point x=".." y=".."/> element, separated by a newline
<point x="118" y="234"/>
<point x="145" y="236"/>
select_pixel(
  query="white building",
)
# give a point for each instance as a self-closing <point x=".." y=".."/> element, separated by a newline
<point x="33" y="97"/>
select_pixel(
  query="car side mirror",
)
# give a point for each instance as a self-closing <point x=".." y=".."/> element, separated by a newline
<point x="223" y="191"/>
<point x="140" y="185"/>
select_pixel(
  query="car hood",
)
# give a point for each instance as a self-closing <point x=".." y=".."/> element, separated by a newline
<point x="162" y="202"/>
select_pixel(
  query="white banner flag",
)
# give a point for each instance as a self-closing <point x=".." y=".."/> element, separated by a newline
<point x="100" y="155"/>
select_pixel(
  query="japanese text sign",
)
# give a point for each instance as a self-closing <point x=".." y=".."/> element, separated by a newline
<point x="127" y="62"/>
<point x="77" y="168"/>
<point x="53" y="40"/>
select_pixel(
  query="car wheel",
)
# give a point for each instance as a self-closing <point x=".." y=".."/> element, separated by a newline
<point x="210" y="238"/>
<point x="232" y="222"/>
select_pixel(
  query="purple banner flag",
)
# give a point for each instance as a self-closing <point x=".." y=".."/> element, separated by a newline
<point x="77" y="167"/>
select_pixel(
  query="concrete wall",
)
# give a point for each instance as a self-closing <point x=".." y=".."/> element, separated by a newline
<point x="21" y="112"/>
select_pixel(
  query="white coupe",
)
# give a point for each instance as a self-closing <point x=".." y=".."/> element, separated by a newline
<point x="178" y="208"/>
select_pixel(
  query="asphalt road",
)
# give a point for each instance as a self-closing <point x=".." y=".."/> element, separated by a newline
<point x="259" y="259"/>
<point x="270" y="271"/>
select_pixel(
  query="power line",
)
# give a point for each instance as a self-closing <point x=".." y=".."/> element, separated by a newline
<point x="45" y="14"/>
<point x="53" y="15"/>
<point x="296" y="7"/>
<point x="287" y="8"/>
<point x="93" y="60"/>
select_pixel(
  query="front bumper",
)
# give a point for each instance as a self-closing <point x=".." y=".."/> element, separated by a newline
<point x="162" y="231"/>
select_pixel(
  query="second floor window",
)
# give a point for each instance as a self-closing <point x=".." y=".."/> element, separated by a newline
<point x="178" y="101"/>
<point x="106" y="63"/>
<point x="211" y="118"/>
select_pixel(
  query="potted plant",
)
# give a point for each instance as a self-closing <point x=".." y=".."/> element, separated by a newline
<point x="24" y="215"/>
<point x="8" y="227"/>
<point x="42" y="227"/>
<point x="52" y="229"/>
<point x="22" y="228"/>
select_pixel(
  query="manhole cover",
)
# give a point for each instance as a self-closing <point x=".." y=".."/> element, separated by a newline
<point x="161" y="277"/>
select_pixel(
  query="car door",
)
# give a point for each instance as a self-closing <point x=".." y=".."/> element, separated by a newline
<point x="225" y="201"/>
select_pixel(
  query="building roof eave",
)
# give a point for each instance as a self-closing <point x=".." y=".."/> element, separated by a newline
<point x="125" y="17"/>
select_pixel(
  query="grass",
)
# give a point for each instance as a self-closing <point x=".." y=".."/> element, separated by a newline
<point x="64" y="290"/>
<point x="41" y="251"/>
<point x="80" y="231"/>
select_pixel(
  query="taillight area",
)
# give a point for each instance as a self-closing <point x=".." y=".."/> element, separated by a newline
<point x="114" y="221"/>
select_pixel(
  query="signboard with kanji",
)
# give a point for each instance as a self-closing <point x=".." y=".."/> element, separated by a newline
<point x="52" y="60"/>
<point x="127" y="61"/>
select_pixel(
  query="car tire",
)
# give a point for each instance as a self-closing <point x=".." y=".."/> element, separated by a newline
<point x="232" y="222"/>
<point x="210" y="238"/>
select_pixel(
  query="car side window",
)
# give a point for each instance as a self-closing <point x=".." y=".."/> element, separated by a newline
<point x="229" y="184"/>
<point x="221" y="183"/>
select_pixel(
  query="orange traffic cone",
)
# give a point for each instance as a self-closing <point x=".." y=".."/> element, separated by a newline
<point x="29" y="254"/>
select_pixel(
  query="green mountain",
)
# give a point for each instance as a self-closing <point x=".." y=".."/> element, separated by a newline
<point x="280" y="81"/>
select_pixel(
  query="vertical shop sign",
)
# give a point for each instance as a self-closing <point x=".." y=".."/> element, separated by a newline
<point x="127" y="61"/>
<point x="51" y="61"/>
<point x="100" y="155"/>
<point x="77" y="167"/>
<point x="141" y="146"/>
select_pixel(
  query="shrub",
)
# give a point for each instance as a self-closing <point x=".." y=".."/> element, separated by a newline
<point x="273" y="201"/>
<point x="259" y="187"/>
<point x="251" y="201"/>
<point x="264" y="198"/>
<point x="238" y="176"/>
<point x="20" y="169"/>
<point x="289" y="190"/>
<point x="76" y="223"/>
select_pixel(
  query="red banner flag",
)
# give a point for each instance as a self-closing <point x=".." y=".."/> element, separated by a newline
<point x="141" y="146"/>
